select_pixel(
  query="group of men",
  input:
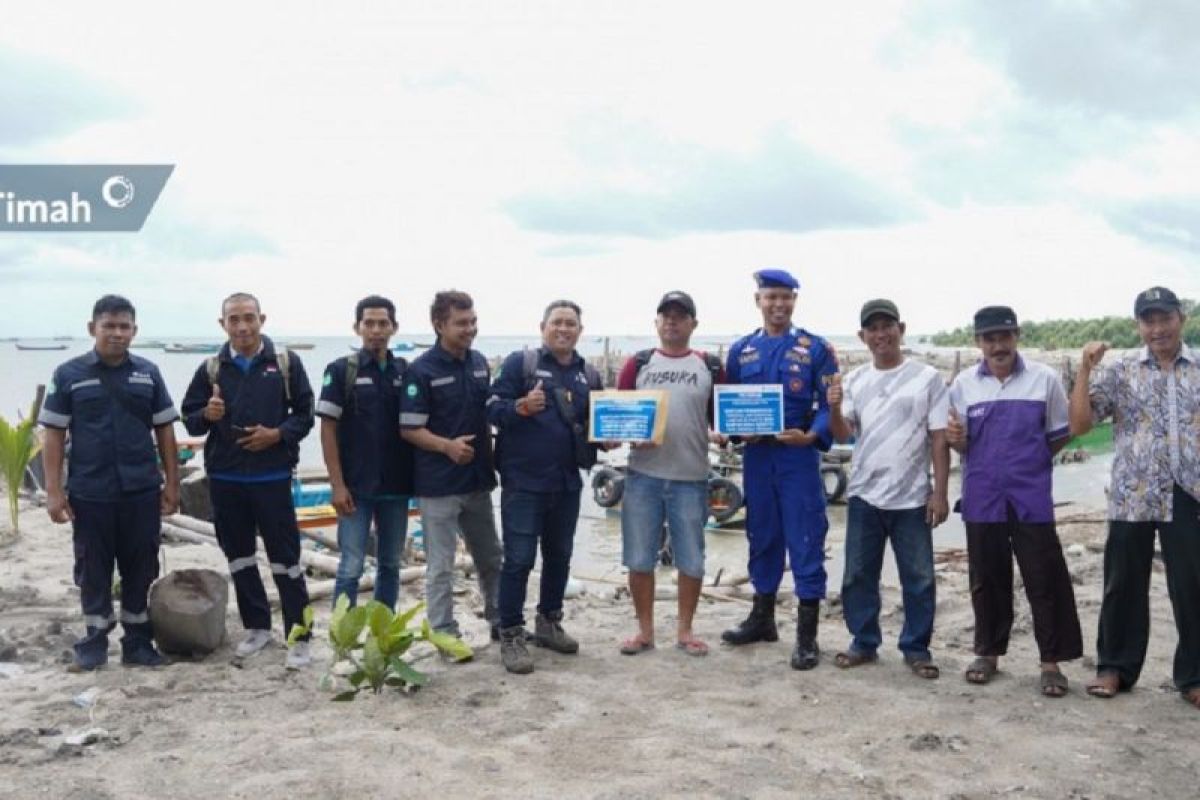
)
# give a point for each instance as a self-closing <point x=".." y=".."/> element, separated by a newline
<point x="392" y="431"/>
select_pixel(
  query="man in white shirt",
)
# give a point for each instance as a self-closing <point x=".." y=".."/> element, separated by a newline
<point x="897" y="408"/>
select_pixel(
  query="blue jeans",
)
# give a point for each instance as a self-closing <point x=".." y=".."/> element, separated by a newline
<point x="391" y="526"/>
<point x="528" y="518"/>
<point x="648" y="503"/>
<point x="867" y="530"/>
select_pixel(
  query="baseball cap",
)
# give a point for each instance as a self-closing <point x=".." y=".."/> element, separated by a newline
<point x="1156" y="298"/>
<point x="879" y="306"/>
<point x="995" y="318"/>
<point x="677" y="298"/>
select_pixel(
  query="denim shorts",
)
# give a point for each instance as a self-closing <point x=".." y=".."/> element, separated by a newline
<point x="648" y="503"/>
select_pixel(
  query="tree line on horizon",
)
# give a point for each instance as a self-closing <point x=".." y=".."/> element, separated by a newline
<point x="1059" y="334"/>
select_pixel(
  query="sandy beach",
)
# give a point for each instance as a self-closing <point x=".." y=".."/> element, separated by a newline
<point x="599" y="724"/>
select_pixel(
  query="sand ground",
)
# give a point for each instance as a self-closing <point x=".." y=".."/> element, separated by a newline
<point x="739" y="723"/>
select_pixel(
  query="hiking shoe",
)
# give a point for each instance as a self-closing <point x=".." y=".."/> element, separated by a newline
<point x="514" y="653"/>
<point x="142" y="654"/>
<point x="256" y="639"/>
<point x="548" y="632"/>
<point x="299" y="655"/>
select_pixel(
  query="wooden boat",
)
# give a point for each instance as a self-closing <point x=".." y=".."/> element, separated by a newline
<point x="23" y="346"/>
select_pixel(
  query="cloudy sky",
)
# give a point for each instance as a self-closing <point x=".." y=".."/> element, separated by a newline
<point x="1044" y="154"/>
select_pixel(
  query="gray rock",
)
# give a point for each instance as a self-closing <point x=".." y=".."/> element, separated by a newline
<point x="193" y="496"/>
<point x="187" y="609"/>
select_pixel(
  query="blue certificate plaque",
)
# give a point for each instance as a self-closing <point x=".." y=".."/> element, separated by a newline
<point x="754" y="409"/>
<point x="633" y="416"/>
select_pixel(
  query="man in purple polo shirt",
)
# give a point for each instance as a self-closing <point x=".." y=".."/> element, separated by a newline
<point x="1008" y="418"/>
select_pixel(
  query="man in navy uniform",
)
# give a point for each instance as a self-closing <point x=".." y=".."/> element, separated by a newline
<point x="111" y="401"/>
<point x="255" y="404"/>
<point x="370" y="466"/>
<point x="785" y="498"/>
<point x="443" y="414"/>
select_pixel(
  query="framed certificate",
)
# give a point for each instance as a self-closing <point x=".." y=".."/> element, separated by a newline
<point x="633" y="416"/>
<point x="754" y="409"/>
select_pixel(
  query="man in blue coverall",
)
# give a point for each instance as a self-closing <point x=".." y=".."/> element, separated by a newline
<point x="785" y="498"/>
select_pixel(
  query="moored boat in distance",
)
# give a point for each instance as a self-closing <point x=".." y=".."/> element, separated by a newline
<point x="32" y="346"/>
<point x="176" y="347"/>
<point x="297" y="345"/>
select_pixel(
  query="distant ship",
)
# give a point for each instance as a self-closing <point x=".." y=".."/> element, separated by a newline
<point x="297" y="345"/>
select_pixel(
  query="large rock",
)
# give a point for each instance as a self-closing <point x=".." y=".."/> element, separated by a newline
<point x="193" y="496"/>
<point x="187" y="608"/>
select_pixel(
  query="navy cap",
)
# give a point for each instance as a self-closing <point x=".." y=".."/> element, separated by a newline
<point x="995" y="318"/>
<point x="1156" y="298"/>
<point x="681" y="299"/>
<point x="873" y="308"/>
<point x="776" y="279"/>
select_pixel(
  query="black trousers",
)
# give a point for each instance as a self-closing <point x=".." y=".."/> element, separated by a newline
<point x="990" y="551"/>
<point x="1125" y="611"/>
<point x="124" y="532"/>
<point x="240" y="510"/>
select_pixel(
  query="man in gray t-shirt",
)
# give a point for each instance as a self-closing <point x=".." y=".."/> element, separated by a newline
<point x="668" y="483"/>
<point x="898" y="410"/>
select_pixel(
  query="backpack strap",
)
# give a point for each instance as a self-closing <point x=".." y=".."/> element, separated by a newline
<point x="714" y="365"/>
<point x="529" y="359"/>
<point x="283" y="358"/>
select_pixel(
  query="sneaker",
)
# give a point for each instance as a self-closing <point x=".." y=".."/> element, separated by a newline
<point x="299" y="655"/>
<point x="514" y="654"/>
<point x="548" y="632"/>
<point x="256" y="639"/>
<point x="142" y="654"/>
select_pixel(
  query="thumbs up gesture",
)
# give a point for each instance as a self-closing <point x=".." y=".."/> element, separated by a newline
<point x="215" y="409"/>
<point x="956" y="432"/>
<point x="535" y="401"/>
<point x="833" y="395"/>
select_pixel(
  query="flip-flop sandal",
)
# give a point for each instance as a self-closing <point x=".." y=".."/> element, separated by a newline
<point x="924" y="669"/>
<point x="634" y="646"/>
<point x="981" y="671"/>
<point x="1053" y="684"/>
<point x="693" y="647"/>
<point x="852" y="658"/>
<point x="1105" y="685"/>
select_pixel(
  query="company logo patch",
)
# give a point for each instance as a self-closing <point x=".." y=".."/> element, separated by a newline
<point x="411" y="391"/>
<point x="328" y="379"/>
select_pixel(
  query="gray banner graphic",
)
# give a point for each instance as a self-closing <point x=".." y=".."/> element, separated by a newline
<point x="78" y="197"/>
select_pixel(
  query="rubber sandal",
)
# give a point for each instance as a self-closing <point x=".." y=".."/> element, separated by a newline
<point x="923" y="668"/>
<point x="848" y="659"/>
<point x="634" y="645"/>
<point x="1053" y="684"/>
<point x="693" y="647"/>
<point x="981" y="671"/>
<point x="1105" y="685"/>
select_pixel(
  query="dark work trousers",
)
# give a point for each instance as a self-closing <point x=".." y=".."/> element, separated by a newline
<point x="241" y="509"/>
<point x="1125" y="612"/>
<point x="126" y="532"/>
<point x="990" y="551"/>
